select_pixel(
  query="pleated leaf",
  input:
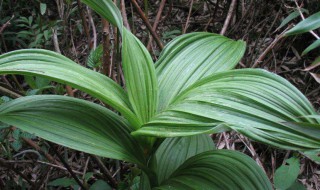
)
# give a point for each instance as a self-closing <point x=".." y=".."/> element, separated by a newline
<point x="312" y="129"/>
<point x="218" y="169"/>
<point x="74" y="123"/>
<point x="173" y="152"/>
<point x="107" y="9"/>
<point x="139" y="73"/>
<point x="310" y="23"/>
<point x="58" y="68"/>
<point x="253" y="102"/>
<point x="191" y="57"/>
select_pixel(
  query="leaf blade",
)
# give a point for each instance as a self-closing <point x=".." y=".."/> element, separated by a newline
<point x="253" y="102"/>
<point x="218" y="169"/>
<point x="286" y="175"/>
<point x="311" y="47"/>
<point x="139" y="73"/>
<point x="58" y="68"/>
<point x="74" y="123"/>
<point x="310" y="23"/>
<point x="107" y="9"/>
<point x="173" y="152"/>
<point x="196" y="55"/>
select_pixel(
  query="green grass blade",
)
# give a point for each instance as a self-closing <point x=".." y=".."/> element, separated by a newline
<point x="311" y="47"/>
<point x="292" y="16"/>
<point x="253" y="102"/>
<point x="218" y="169"/>
<point x="192" y="57"/>
<point x="74" y="123"/>
<point x="51" y="65"/>
<point x="310" y="23"/>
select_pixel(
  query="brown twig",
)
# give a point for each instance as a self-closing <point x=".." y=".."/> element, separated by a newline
<point x="303" y="18"/>
<point x="229" y="15"/>
<point x="36" y="147"/>
<point x="188" y="18"/>
<point x="69" y="90"/>
<point x="147" y="23"/>
<point x="156" y="22"/>
<point x="105" y="171"/>
<point x="269" y="48"/>
<point x="94" y="31"/>
<point x="124" y="15"/>
<point x="84" y="23"/>
<point x="6" y="24"/>
<point x="7" y="92"/>
<point x="106" y="46"/>
<point x="66" y="165"/>
<point x="5" y="164"/>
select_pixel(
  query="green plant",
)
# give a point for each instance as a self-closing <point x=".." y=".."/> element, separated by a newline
<point x="191" y="90"/>
<point x="308" y="25"/>
<point x="286" y="175"/>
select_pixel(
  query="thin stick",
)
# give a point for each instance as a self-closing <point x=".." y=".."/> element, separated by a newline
<point x="84" y="22"/>
<point x="267" y="50"/>
<point x="94" y="30"/>
<point x="303" y="18"/>
<point x="66" y="165"/>
<point x="147" y="23"/>
<point x="188" y="18"/>
<point x="6" y="24"/>
<point x="124" y="15"/>
<point x="37" y="148"/>
<point x="7" y="92"/>
<point x="106" y="46"/>
<point x="229" y="15"/>
<point x="156" y="22"/>
<point x="3" y="163"/>
<point x="105" y="171"/>
<point x="57" y="49"/>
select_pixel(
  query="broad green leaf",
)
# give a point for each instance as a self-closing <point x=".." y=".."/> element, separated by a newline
<point x="292" y="16"/>
<point x="218" y="169"/>
<point x="43" y="8"/>
<point x="175" y="151"/>
<point x="107" y="9"/>
<point x="287" y="174"/>
<point x="53" y="66"/>
<point x="74" y="123"/>
<point x="253" y="102"/>
<point x="310" y="23"/>
<point x="297" y="186"/>
<point x="63" y="182"/>
<point x="139" y="73"/>
<point x="100" y="185"/>
<point x="192" y="57"/>
<point x="314" y="45"/>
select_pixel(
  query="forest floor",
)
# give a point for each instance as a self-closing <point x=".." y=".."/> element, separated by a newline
<point x="31" y="160"/>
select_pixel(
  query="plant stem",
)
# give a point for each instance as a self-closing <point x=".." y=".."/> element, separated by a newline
<point x="147" y="23"/>
<point x="66" y="165"/>
<point x="106" y="46"/>
<point x="153" y="178"/>
<point x="84" y="23"/>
